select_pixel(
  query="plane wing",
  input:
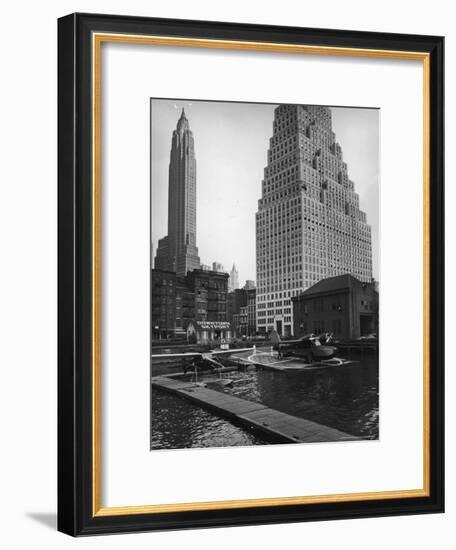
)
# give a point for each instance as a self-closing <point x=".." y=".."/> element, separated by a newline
<point x="231" y="351"/>
<point x="302" y="339"/>
<point x="200" y="355"/>
<point x="167" y="355"/>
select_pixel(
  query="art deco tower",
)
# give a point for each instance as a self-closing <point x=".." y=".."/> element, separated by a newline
<point x="233" y="281"/>
<point x="177" y="251"/>
<point x="309" y="225"/>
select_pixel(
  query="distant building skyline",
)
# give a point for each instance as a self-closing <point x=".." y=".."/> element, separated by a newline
<point x="222" y="186"/>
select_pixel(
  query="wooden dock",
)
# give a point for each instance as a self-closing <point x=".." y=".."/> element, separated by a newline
<point x="281" y="426"/>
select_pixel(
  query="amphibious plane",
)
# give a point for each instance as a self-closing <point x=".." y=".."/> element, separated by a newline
<point x="311" y="348"/>
<point x="194" y="361"/>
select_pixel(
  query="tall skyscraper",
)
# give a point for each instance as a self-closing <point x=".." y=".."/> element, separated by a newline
<point x="177" y="251"/>
<point x="233" y="281"/>
<point x="309" y="225"/>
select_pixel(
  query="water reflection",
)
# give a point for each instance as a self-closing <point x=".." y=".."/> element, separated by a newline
<point x="345" y="398"/>
<point x="178" y="424"/>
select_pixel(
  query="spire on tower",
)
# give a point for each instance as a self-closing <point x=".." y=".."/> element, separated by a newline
<point x="233" y="281"/>
<point x="182" y="124"/>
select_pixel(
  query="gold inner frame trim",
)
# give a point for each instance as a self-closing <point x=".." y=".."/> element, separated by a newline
<point x="97" y="40"/>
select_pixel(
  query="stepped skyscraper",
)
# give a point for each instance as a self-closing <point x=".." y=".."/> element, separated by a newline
<point x="177" y="251"/>
<point x="309" y="225"/>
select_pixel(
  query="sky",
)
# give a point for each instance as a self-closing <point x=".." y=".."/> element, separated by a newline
<point x="231" y="144"/>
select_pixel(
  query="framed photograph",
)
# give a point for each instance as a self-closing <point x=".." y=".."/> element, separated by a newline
<point x="251" y="275"/>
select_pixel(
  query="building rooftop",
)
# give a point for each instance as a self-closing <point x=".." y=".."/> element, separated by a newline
<point x="208" y="273"/>
<point x="340" y="282"/>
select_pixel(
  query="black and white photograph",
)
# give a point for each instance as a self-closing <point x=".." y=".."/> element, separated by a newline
<point x="264" y="275"/>
<point x="224" y="275"/>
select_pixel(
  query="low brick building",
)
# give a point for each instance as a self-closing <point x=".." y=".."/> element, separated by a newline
<point x="163" y="304"/>
<point x="342" y="305"/>
<point x="200" y="296"/>
<point x="210" y="291"/>
<point x="241" y="311"/>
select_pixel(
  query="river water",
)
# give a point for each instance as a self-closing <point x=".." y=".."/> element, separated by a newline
<point x="178" y="424"/>
<point x="345" y="398"/>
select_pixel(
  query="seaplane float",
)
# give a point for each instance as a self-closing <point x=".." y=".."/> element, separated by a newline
<point x="204" y="361"/>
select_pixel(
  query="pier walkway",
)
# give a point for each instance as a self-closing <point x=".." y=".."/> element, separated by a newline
<point x="253" y="415"/>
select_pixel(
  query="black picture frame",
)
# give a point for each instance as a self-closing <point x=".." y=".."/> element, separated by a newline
<point x="75" y="275"/>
